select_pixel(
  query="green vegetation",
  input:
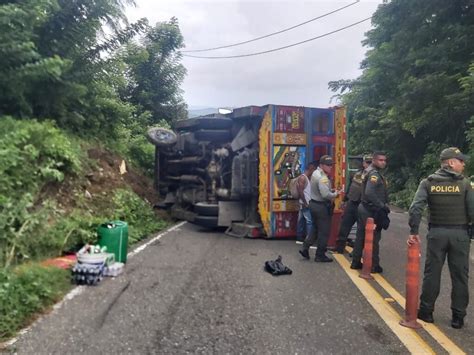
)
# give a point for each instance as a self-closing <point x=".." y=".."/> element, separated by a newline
<point x="416" y="93"/>
<point x="141" y="219"/>
<point x="75" y="77"/>
<point x="26" y="290"/>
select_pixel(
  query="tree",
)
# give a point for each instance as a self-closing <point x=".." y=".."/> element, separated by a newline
<point x="155" y="72"/>
<point x="52" y="62"/>
<point x="414" y="96"/>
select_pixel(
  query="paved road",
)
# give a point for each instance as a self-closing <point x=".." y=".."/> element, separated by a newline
<point x="196" y="291"/>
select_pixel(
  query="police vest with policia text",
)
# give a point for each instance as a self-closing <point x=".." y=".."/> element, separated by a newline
<point x="447" y="200"/>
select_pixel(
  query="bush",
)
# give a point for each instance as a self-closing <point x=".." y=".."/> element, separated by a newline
<point x="137" y="213"/>
<point x="31" y="154"/>
<point x="21" y="228"/>
<point x="133" y="144"/>
<point x="26" y="290"/>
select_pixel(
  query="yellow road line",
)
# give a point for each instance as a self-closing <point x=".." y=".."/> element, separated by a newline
<point x="412" y="341"/>
<point x="446" y="343"/>
<point x="432" y="329"/>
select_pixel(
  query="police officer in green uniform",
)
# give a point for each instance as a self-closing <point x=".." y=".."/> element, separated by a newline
<point x="373" y="201"/>
<point x="351" y="202"/>
<point x="450" y="200"/>
<point x="320" y="205"/>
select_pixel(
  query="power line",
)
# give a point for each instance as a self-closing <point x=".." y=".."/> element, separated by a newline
<point x="279" y="48"/>
<point x="272" y="34"/>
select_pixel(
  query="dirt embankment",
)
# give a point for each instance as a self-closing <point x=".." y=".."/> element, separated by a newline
<point x="106" y="172"/>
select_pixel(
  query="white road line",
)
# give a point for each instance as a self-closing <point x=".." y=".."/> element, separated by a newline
<point x="79" y="289"/>
<point x="159" y="236"/>
<point x="311" y="247"/>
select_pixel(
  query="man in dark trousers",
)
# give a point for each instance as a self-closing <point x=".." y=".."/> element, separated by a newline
<point x="450" y="200"/>
<point x="322" y="197"/>
<point x="351" y="202"/>
<point x="374" y="202"/>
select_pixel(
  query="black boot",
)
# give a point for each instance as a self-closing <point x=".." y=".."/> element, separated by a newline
<point x="340" y="247"/>
<point x="426" y="316"/>
<point x="356" y="265"/>
<point x="323" y="259"/>
<point x="304" y="253"/>
<point x="377" y="269"/>
<point x="457" y="322"/>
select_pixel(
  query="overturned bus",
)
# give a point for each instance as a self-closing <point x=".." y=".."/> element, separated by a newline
<point x="234" y="170"/>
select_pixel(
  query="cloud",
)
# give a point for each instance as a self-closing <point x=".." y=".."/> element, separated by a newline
<point x="295" y="76"/>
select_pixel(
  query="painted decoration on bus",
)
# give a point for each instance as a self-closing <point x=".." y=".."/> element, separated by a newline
<point x="289" y="119"/>
<point x="339" y="177"/>
<point x="284" y="224"/>
<point x="289" y="138"/>
<point x="285" y="206"/>
<point x="265" y="171"/>
<point x="288" y="163"/>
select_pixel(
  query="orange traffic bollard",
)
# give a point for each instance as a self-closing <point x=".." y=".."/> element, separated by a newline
<point x="412" y="287"/>
<point x="368" y="246"/>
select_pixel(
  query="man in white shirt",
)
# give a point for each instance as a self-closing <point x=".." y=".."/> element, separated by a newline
<point x="305" y="222"/>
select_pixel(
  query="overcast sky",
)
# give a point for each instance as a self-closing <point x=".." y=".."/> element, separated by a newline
<point x="294" y="76"/>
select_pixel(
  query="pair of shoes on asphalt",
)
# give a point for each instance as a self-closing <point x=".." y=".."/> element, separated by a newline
<point x="323" y="259"/>
<point x="457" y="322"/>
<point x="318" y="259"/>
<point x="357" y="265"/>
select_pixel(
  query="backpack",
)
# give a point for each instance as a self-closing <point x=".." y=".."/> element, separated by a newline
<point x="293" y="188"/>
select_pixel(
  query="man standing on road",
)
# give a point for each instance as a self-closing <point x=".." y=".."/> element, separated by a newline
<point x="450" y="200"/>
<point x="303" y="185"/>
<point x="321" y="206"/>
<point x="374" y="203"/>
<point x="351" y="202"/>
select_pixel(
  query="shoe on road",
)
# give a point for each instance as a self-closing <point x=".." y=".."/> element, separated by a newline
<point x="426" y="316"/>
<point x="323" y="259"/>
<point x="457" y="322"/>
<point x="304" y="254"/>
<point x="356" y="265"/>
<point x="376" y="269"/>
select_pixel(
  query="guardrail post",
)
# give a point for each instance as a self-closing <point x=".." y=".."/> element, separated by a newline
<point x="368" y="247"/>
<point x="412" y="286"/>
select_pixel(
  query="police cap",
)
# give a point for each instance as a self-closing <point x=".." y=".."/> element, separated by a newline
<point x="452" y="153"/>
<point x="326" y="160"/>
<point x="368" y="158"/>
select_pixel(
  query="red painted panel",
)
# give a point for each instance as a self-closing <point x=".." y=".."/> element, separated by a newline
<point x="285" y="224"/>
<point x="289" y="119"/>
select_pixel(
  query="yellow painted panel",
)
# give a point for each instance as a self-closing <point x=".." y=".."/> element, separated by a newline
<point x="285" y="206"/>
<point x="265" y="162"/>
<point x="289" y="138"/>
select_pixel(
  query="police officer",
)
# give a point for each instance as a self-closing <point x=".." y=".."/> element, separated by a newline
<point x="321" y="203"/>
<point x="351" y="202"/>
<point x="374" y="200"/>
<point x="450" y="200"/>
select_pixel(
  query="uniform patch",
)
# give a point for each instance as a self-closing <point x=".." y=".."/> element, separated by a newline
<point x="445" y="189"/>
<point x="374" y="179"/>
